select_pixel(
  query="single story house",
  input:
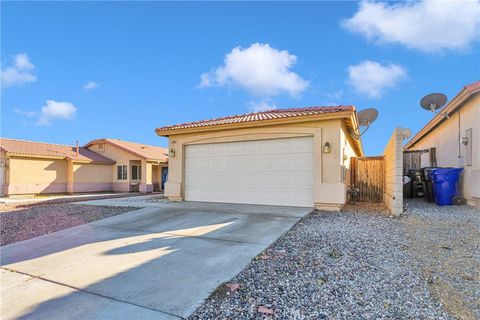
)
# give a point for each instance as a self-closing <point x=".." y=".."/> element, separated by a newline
<point x="105" y="165"/>
<point x="293" y="157"/>
<point x="452" y="139"/>
<point x="138" y="167"/>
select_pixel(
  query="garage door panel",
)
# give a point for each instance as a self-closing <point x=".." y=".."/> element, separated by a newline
<point x="275" y="172"/>
<point x="279" y="179"/>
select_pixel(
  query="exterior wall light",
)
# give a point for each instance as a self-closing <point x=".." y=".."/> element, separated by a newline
<point x="326" y="147"/>
<point x="464" y="140"/>
<point x="171" y="153"/>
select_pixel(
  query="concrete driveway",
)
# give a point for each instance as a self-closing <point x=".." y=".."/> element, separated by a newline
<point x="158" y="262"/>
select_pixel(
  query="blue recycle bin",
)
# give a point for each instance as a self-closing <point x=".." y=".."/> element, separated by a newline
<point x="445" y="181"/>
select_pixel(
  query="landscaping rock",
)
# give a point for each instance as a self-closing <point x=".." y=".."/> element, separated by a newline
<point x="20" y="222"/>
<point x="363" y="265"/>
<point x="265" y="310"/>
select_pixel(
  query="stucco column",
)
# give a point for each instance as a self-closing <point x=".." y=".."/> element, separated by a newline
<point x="146" y="185"/>
<point x="173" y="186"/>
<point x="317" y="166"/>
<point x="70" y="176"/>
<point x="329" y="189"/>
<point x="4" y="172"/>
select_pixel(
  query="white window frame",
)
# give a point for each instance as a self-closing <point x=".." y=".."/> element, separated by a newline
<point x="122" y="172"/>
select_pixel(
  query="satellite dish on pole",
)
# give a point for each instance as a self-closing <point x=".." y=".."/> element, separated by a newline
<point x="406" y="133"/>
<point x="365" y="118"/>
<point x="433" y="102"/>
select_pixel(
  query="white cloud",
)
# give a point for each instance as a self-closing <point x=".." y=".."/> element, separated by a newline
<point x="19" y="73"/>
<point x="371" y="78"/>
<point x="260" y="69"/>
<point x="90" y="85"/>
<point x="22" y="62"/>
<point x="25" y="113"/>
<point x="430" y="25"/>
<point x="257" y="106"/>
<point x="56" y="110"/>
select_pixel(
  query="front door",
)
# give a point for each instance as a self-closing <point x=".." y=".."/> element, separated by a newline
<point x="164" y="177"/>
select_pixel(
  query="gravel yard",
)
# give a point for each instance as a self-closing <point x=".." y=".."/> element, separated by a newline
<point x="355" y="265"/>
<point x="23" y="221"/>
<point x="446" y="242"/>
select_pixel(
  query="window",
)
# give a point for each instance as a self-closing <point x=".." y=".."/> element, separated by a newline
<point x="101" y="146"/>
<point x="136" y="172"/>
<point x="121" y="172"/>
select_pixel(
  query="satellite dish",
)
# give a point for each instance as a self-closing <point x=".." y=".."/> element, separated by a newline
<point x="365" y="118"/>
<point x="433" y="101"/>
<point x="406" y="133"/>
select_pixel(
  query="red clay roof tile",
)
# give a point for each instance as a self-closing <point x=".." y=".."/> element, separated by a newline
<point x="260" y="116"/>
<point x="141" y="150"/>
<point x="42" y="149"/>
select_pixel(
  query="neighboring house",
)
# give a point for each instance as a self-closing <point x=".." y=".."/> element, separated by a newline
<point x="138" y="166"/>
<point x="296" y="157"/>
<point x="455" y="141"/>
<point x="28" y="167"/>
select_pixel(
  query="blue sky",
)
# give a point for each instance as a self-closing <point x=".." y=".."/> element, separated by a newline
<point x="81" y="71"/>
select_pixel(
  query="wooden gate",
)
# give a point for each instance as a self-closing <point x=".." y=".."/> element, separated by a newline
<point x="368" y="175"/>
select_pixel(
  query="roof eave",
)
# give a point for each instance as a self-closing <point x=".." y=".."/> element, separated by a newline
<point x="259" y="123"/>
<point x="92" y="142"/>
<point x="157" y="160"/>
<point x="61" y="157"/>
<point x="453" y="105"/>
<point x="122" y="148"/>
<point x="31" y="155"/>
<point x="93" y="161"/>
<point x="356" y="142"/>
<point x="116" y="145"/>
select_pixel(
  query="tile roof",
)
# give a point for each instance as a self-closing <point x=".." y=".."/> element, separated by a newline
<point x="50" y="150"/>
<point x="473" y="86"/>
<point x="141" y="150"/>
<point x="260" y="116"/>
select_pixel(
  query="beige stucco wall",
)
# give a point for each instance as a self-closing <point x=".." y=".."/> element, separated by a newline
<point x="347" y="152"/>
<point x="330" y="188"/>
<point x="3" y="174"/>
<point x="393" y="155"/>
<point x="42" y="176"/>
<point x="121" y="157"/>
<point x="92" y="177"/>
<point x="36" y="175"/>
<point x="445" y="139"/>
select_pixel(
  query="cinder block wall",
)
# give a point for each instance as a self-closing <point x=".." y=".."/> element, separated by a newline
<point x="393" y="154"/>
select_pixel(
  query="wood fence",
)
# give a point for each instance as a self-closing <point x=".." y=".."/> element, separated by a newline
<point x="368" y="175"/>
<point x="412" y="159"/>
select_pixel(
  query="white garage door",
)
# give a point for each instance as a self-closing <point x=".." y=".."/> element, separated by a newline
<point x="273" y="172"/>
